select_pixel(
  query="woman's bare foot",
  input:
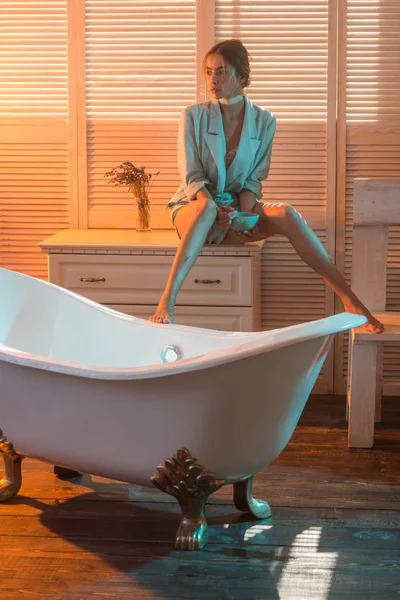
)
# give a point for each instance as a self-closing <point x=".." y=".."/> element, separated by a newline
<point x="164" y="312"/>
<point x="356" y="307"/>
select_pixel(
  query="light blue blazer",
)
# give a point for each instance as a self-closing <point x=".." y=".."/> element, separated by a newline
<point x="202" y="149"/>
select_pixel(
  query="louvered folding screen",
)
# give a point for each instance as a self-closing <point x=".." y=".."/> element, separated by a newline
<point x="373" y="136"/>
<point x="288" y="42"/>
<point x="33" y="130"/>
<point x="141" y="72"/>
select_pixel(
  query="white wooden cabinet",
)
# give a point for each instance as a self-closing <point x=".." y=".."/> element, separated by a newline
<point x="127" y="271"/>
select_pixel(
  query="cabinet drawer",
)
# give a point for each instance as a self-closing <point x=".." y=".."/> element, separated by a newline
<point x="210" y="317"/>
<point x="116" y="279"/>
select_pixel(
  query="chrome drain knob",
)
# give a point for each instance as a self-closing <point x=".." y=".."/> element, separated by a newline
<point x="170" y="354"/>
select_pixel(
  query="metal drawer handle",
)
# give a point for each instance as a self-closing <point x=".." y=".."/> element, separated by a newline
<point x="207" y="281"/>
<point x="91" y="279"/>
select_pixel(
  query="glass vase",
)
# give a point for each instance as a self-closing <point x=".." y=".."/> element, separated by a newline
<point x="143" y="217"/>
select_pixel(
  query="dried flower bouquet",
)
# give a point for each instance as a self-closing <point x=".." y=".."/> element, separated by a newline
<point x="139" y="183"/>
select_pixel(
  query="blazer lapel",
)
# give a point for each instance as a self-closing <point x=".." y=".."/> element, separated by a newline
<point x="248" y="145"/>
<point x="215" y="139"/>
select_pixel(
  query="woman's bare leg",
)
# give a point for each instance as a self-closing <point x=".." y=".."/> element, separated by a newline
<point x="283" y="219"/>
<point x="193" y="222"/>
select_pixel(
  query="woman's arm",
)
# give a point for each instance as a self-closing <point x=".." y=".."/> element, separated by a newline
<point x="252" y="187"/>
<point x="190" y="167"/>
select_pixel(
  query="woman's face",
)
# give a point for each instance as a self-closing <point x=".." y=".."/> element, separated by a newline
<point x="221" y="78"/>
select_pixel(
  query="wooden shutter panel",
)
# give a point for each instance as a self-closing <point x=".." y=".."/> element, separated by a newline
<point x="141" y="72"/>
<point x="33" y="130"/>
<point x="288" y="42"/>
<point x="373" y="138"/>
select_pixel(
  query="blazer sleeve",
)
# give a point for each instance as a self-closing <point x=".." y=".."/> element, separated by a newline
<point x="189" y="163"/>
<point x="260" y="168"/>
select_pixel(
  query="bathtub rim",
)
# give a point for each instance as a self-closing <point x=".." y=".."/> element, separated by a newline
<point x="254" y="342"/>
<point x="259" y="342"/>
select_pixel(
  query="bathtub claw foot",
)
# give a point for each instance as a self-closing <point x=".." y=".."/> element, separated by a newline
<point x="12" y="480"/>
<point x="192" y="534"/>
<point x="191" y="484"/>
<point x="244" y="501"/>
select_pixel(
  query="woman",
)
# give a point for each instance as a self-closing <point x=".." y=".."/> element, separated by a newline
<point x="224" y="152"/>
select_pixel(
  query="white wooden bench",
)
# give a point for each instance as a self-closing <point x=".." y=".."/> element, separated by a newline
<point x="376" y="206"/>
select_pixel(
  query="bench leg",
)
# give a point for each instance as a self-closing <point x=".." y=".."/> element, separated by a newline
<point x="362" y="393"/>
<point x="379" y="384"/>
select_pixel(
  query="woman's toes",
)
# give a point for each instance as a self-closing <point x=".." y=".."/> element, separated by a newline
<point x="372" y="327"/>
<point x="375" y="326"/>
<point x="160" y="319"/>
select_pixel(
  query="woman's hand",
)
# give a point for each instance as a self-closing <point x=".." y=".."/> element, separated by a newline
<point x="243" y="237"/>
<point x="225" y="215"/>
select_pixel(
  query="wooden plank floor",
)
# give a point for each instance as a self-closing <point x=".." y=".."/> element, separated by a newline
<point x="334" y="533"/>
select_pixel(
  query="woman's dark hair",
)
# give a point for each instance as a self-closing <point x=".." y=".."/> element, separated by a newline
<point x="234" y="53"/>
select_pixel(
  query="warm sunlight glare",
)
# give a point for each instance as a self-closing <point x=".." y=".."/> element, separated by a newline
<point x="254" y="530"/>
<point x="308" y="572"/>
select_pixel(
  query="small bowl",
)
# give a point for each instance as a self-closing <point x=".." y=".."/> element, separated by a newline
<point x="244" y="221"/>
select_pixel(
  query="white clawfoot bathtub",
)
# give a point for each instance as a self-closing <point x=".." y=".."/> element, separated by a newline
<point x="85" y="387"/>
